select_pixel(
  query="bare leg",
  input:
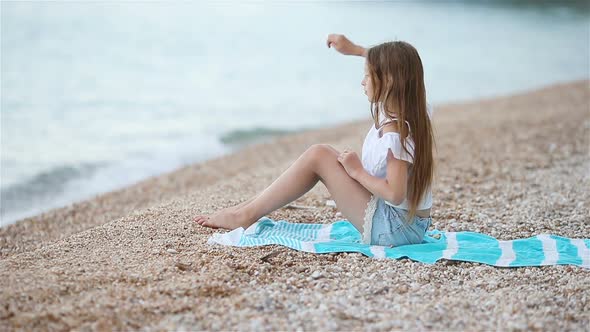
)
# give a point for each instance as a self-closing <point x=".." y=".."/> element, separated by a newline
<point x="298" y="179"/>
<point x="318" y="163"/>
<point x="201" y="218"/>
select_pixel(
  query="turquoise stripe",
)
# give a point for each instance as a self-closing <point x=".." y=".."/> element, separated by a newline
<point x="426" y="252"/>
<point x="345" y="231"/>
<point x="335" y="246"/>
<point x="529" y="252"/>
<point x="568" y="253"/>
<point x="477" y="247"/>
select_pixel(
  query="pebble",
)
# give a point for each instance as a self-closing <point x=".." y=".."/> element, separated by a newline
<point x="171" y="251"/>
<point x="182" y="266"/>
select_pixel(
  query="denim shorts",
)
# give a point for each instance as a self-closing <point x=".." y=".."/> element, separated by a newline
<point x="385" y="225"/>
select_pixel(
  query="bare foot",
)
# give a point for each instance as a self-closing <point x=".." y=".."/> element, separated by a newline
<point x="229" y="219"/>
<point x="200" y="218"/>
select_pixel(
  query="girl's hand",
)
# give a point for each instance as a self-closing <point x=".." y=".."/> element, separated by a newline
<point x="342" y="44"/>
<point x="351" y="162"/>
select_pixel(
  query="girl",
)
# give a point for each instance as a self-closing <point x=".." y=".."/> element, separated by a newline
<point x="386" y="195"/>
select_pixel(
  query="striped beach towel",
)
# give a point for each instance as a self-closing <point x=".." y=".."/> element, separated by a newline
<point x="342" y="236"/>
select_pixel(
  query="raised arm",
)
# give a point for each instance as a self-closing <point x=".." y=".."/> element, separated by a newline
<point x="345" y="46"/>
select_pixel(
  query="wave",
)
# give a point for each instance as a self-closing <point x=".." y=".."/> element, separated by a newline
<point x="241" y="137"/>
<point x="43" y="186"/>
<point x="62" y="185"/>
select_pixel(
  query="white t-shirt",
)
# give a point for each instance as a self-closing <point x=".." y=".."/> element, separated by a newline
<point x="374" y="157"/>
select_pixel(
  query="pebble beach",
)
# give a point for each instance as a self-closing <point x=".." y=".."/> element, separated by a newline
<point x="510" y="166"/>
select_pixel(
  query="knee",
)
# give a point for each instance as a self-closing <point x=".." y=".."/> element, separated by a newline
<point x="318" y="153"/>
<point x="319" y="150"/>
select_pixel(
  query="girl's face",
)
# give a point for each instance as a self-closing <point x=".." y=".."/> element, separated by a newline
<point x="366" y="83"/>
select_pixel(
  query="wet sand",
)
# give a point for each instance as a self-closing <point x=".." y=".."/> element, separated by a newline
<point x="511" y="167"/>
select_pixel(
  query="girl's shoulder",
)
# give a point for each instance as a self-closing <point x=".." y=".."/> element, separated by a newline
<point x="392" y="141"/>
<point x="392" y="126"/>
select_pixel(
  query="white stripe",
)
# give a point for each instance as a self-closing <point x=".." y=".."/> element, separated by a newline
<point x="378" y="251"/>
<point x="231" y="238"/>
<point x="324" y="233"/>
<point x="508" y="255"/>
<point x="583" y="252"/>
<point x="308" y="246"/>
<point x="452" y="245"/>
<point x="549" y="249"/>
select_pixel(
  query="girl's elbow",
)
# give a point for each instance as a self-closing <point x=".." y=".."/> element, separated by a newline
<point x="397" y="198"/>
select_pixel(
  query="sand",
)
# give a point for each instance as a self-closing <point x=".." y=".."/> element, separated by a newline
<point x="133" y="259"/>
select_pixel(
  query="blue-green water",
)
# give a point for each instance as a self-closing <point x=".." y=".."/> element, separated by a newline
<point x="96" y="96"/>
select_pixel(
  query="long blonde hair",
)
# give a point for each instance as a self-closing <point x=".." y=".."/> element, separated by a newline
<point x="397" y="78"/>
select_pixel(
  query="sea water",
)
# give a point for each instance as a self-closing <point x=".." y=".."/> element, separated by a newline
<point x="97" y="96"/>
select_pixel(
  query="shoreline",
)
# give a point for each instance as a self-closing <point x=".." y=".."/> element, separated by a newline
<point x="511" y="167"/>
